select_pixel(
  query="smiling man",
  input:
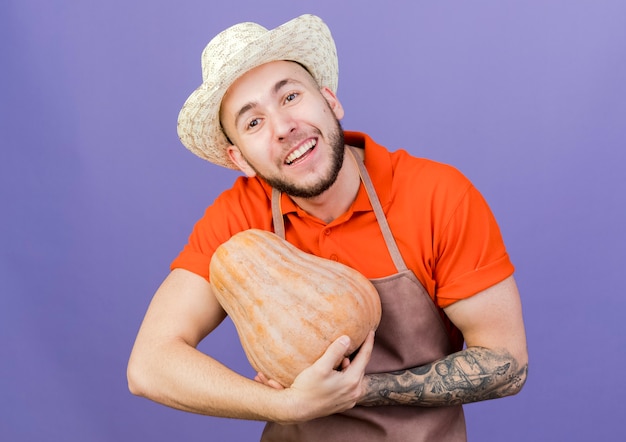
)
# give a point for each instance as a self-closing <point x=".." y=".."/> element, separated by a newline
<point x="294" y="120"/>
<point x="419" y="230"/>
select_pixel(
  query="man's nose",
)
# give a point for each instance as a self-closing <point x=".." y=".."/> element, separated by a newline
<point x="283" y="124"/>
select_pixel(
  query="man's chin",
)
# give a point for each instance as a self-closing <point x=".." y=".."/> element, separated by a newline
<point x="294" y="191"/>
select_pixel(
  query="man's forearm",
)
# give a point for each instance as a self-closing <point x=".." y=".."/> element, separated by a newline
<point x="471" y="375"/>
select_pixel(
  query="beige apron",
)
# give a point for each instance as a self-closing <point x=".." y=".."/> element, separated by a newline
<point x="411" y="334"/>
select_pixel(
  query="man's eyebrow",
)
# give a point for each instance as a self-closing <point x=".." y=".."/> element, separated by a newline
<point x="245" y="108"/>
<point x="248" y="106"/>
<point x="280" y="84"/>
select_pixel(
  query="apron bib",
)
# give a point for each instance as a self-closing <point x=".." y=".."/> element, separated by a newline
<point x="411" y="333"/>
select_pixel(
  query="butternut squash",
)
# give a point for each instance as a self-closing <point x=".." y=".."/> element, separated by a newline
<point x="288" y="305"/>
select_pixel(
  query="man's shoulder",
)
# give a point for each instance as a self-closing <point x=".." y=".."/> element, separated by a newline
<point x="406" y="166"/>
<point x="244" y="189"/>
<point x="401" y="160"/>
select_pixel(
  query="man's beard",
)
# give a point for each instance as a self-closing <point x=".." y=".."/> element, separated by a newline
<point x="336" y="141"/>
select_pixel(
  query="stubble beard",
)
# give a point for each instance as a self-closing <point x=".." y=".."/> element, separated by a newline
<point x="336" y="142"/>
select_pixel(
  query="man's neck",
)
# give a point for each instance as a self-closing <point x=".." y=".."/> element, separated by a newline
<point x="339" y="197"/>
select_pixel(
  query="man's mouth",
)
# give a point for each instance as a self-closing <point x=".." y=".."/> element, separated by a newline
<point x="300" y="152"/>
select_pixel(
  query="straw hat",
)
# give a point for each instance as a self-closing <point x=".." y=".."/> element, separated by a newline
<point x="233" y="52"/>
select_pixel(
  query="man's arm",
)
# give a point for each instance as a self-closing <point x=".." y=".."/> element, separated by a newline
<point x="494" y="364"/>
<point x="166" y="367"/>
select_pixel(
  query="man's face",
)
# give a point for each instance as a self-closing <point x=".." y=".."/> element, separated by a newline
<point x="284" y="128"/>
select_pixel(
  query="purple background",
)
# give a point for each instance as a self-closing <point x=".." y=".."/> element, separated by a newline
<point x="527" y="98"/>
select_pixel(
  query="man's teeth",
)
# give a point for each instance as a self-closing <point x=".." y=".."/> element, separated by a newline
<point x="300" y="151"/>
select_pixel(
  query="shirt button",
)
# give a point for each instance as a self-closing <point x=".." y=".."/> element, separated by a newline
<point x="334" y="257"/>
<point x="327" y="232"/>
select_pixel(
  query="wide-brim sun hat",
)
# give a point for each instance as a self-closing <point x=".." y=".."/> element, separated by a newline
<point x="238" y="49"/>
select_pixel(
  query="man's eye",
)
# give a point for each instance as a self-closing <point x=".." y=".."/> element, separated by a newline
<point x="291" y="97"/>
<point x="253" y="123"/>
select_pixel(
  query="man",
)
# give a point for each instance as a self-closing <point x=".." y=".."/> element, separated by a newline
<point x="418" y="229"/>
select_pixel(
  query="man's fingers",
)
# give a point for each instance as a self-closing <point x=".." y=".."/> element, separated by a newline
<point x="345" y="363"/>
<point x="363" y="356"/>
<point x="274" y="384"/>
<point x="261" y="378"/>
<point x="335" y="353"/>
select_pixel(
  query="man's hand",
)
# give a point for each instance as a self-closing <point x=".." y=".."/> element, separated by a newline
<point x="331" y="385"/>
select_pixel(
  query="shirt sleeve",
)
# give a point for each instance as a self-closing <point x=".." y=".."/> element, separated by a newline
<point x="244" y="206"/>
<point x="470" y="252"/>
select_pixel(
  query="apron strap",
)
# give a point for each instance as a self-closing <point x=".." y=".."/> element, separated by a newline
<point x="277" y="214"/>
<point x="392" y="246"/>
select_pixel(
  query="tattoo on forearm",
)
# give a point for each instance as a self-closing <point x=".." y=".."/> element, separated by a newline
<point x="474" y="374"/>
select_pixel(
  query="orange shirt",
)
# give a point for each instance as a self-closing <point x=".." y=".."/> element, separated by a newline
<point x="444" y="228"/>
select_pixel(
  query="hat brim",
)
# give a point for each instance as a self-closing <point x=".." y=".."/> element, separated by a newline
<point x="305" y="39"/>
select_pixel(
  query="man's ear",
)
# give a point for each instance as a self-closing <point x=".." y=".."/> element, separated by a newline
<point x="333" y="102"/>
<point x="236" y="157"/>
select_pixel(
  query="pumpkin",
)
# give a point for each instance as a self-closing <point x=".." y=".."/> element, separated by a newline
<point x="288" y="305"/>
